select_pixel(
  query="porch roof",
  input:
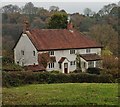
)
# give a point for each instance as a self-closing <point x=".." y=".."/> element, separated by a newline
<point x="62" y="59"/>
<point x="90" y="57"/>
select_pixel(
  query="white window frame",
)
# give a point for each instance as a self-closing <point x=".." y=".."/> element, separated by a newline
<point x="51" y="65"/>
<point x="51" y="53"/>
<point x="90" y="64"/>
<point x="72" y="51"/>
<point x="88" y="50"/>
<point x="72" y="63"/>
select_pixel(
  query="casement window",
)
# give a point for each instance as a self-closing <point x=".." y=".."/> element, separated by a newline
<point x="33" y="53"/>
<point x="91" y="64"/>
<point x="22" y="52"/>
<point x="88" y="50"/>
<point x="51" y="65"/>
<point x="51" y="52"/>
<point x="72" y="51"/>
<point x="72" y="63"/>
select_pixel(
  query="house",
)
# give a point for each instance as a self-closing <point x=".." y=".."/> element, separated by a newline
<point x="56" y="49"/>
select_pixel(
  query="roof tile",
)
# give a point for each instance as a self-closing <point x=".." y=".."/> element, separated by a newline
<point x="52" y="39"/>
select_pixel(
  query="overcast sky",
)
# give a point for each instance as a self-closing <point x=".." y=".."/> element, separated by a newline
<point x="71" y="6"/>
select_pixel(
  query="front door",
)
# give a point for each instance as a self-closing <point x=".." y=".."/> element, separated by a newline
<point x="66" y="68"/>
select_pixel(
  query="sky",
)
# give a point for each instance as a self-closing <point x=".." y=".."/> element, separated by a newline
<point x="71" y="6"/>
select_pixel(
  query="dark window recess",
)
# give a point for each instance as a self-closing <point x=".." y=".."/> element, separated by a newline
<point x="51" y="65"/>
<point x="88" y="50"/>
<point x="22" y="52"/>
<point x="17" y="62"/>
<point x="51" y="52"/>
<point x="72" y="51"/>
<point x="33" y="53"/>
<point x="72" y="63"/>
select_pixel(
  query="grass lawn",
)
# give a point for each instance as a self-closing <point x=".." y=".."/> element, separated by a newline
<point x="62" y="94"/>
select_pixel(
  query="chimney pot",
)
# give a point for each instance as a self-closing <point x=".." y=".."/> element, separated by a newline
<point x="26" y="26"/>
<point x="70" y="26"/>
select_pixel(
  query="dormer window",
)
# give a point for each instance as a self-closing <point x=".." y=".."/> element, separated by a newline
<point x="88" y="50"/>
<point x="22" y="52"/>
<point x="72" y="51"/>
<point x="51" y="52"/>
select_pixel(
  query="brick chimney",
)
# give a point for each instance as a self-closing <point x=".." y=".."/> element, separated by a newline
<point x="69" y="26"/>
<point x="26" y="26"/>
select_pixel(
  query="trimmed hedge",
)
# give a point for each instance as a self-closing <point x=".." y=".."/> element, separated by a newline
<point x="28" y="77"/>
<point x="94" y="70"/>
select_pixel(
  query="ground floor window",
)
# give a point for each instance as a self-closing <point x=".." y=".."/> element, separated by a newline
<point x="72" y="63"/>
<point x="51" y="65"/>
<point x="90" y="64"/>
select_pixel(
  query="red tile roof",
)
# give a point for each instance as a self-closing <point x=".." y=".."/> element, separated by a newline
<point x="91" y="57"/>
<point x="62" y="59"/>
<point x="48" y="39"/>
<point x="35" y="67"/>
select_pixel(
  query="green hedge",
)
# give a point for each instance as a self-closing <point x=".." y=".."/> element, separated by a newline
<point x="28" y="77"/>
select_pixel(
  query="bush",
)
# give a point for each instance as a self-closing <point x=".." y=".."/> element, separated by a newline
<point x="54" y="71"/>
<point x="11" y="67"/>
<point x="29" y="77"/>
<point x="94" y="70"/>
<point x="77" y="71"/>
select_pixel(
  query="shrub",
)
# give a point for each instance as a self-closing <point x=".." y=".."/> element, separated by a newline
<point x="11" y="67"/>
<point x="94" y="70"/>
<point x="54" y="71"/>
<point x="25" y="77"/>
<point x="105" y="78"/>
<point x="77" y="71"/>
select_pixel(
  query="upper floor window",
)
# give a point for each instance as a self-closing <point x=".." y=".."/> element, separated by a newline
<point x="33" y="53"/>
<point x="22" y="52"/>
<point x="88" y="50"/>
<point x="72" y="51"/>
<point x="51" y="52"/>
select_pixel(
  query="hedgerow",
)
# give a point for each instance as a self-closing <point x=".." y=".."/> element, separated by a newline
<point x="28" y="77"/>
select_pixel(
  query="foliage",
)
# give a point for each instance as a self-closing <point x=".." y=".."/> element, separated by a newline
<point x="11" y="67"/>
<point x="110" y="65"/>
<point x="6" y="60"/>
<point x="54" y="71"/>
<point x="27" y="77"/>
<point x="94" y="70"/>
<point x="13" y="16"/>
<point x="87" y="11"/>
<point x="105" y="35"/>
<point x="58" y="21"/>
<point x="84" y="94"/>
<point x="54" y="8"/>
<point x="78" y="63"/>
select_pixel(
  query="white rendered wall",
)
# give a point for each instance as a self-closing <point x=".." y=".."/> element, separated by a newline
<point x="26" y="45"/>
<point x="71" y="57"/>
